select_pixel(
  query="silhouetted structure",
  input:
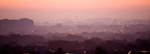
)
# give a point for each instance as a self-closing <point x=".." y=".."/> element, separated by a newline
<point x="23" y="24"/>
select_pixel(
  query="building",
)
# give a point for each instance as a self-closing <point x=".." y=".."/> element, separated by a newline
<point x="23" y="24"/>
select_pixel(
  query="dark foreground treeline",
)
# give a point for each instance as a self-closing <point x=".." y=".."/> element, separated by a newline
<point x="19" y="44"/>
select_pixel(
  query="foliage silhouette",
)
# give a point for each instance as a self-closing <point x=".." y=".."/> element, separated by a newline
<point x="100" y="50"/>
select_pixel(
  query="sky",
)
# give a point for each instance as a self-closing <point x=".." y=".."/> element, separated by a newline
<point x="70" y="9"/>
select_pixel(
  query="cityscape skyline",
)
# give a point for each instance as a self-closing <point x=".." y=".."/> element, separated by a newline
<point x="74" y="26"/>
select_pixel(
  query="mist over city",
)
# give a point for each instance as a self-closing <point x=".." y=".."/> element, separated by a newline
<point x="74" y="27"/>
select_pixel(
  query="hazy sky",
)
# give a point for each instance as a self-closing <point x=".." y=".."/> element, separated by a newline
<point x="59" y="9"/>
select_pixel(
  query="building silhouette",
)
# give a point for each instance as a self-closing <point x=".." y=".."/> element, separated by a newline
<point x="23" y="24"/>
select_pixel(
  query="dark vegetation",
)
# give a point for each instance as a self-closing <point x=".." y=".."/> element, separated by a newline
<point x="18" y="44"/>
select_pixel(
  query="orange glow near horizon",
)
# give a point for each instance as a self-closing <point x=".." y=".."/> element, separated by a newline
<point x="72" y="4"/>
<point x="53" y="9"/>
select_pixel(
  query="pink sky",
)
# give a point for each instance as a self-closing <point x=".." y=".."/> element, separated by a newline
<point x="52" y="9"/>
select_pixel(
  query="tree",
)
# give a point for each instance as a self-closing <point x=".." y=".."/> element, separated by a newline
<point x="59" y="51"/>
<point x="100" y="50"/>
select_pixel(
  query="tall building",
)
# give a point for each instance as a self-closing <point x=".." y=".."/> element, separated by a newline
<point x="23" y="24"/>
